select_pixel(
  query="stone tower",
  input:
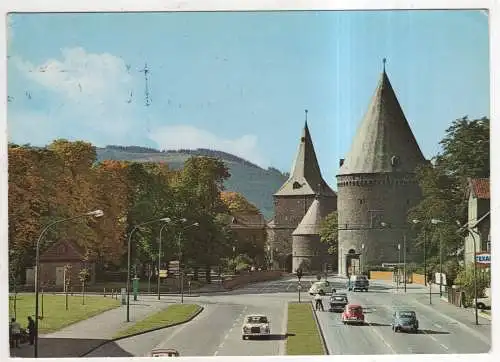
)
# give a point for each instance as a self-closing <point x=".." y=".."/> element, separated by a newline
<point x="376" y="183"/>
<point x="294" y="198"/>
<point x="308" y="251"/>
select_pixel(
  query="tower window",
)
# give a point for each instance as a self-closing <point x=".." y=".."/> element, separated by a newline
<point x="361" y="201"/>
<point x="407" y="202"/>
<point x="302" y="139"/>
<point x="296" y="185"/>
<point x="394" y="161"/>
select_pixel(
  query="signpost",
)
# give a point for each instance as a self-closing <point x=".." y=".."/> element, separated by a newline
<point x="299" y="276"/>
<point x="124" y="296"/>
<point x="135" y="286"/>
<point x="483" y="258"/>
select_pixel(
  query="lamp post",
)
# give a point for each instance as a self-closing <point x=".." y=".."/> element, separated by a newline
<point x="404" y="259"/>
<point x="164" y="219"/>
<point x="181" y="272"/>
<point x="471" y="232"/>
<point x="399" y="265"/>
<point x="415" y="221"/>
<point x="167" y="221"/>
<point x="95" y="213"/>
<point x="362" y="258"/>
<point x="435" y="222"/>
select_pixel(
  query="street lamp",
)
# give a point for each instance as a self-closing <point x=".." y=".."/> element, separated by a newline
<point x="362" y="258"/>
<point x="471" y="232"/>
<point x="435" y="222"/>
<point x="415" y="221"/>
<point x="95" y="213"/>
<point x="180" y="257"/>
<point x="167" y="221"/>
<point x="399" y="265"/>
<point x="164" y="219"/>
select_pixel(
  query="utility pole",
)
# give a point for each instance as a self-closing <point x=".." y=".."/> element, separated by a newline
<point x="404" y="259"/>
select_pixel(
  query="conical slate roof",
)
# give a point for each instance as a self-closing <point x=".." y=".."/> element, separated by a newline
<point x="305" y="178"/>
<point x="384" y="141"/>
<point x="311" y="221"/>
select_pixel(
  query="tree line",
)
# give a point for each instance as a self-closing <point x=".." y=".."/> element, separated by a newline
<point x="64" y="179"/>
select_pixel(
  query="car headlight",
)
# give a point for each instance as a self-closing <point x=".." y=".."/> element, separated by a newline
<point x="246" y="329"/>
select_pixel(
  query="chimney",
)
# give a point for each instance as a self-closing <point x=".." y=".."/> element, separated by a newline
<point x="341" y="162"/>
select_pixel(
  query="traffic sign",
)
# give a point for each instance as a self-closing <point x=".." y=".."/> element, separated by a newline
<point x="163" y="273"/>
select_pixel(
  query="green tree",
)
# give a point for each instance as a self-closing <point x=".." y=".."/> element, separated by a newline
<point x="329" y="232"/>
<point x="465" y="153"/>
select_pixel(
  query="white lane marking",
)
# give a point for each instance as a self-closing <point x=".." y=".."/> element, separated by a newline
<point x="442" y="345"/>
<point x="229" y="332"/>
<point x="473" y="331"/>
<point x="380" y="336"/>
<point x="284" y="330"/>
<point x="180" y="328"/>
<point x="437" y="325"/>
<point x="216" y="353"/>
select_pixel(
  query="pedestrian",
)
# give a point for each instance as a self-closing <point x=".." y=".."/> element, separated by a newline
<point x="31" y="330"/>
<point x="319" y="302"/>
<point x="16" y="332"/>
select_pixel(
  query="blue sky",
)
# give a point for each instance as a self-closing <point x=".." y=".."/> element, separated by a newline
<point x="240" y="81"/>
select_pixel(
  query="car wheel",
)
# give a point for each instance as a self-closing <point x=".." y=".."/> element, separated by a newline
<point x="243" y="337"/>
<point x="481" y="306"/>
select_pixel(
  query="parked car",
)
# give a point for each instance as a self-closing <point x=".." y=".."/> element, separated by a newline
<point x="256" y="326"/>
<point x="319" y="287"/>
<point x="353" y="313"/>
<point x="484" y="303"/>
<point x="404" y="320"/>
<point x="358" y="282"/>
<point x="338" y="301"/>
<point x="164" y="352"/>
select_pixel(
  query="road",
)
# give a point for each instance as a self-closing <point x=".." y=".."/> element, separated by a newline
<point x="217" y="330"/>
<point x="439" y="333"/>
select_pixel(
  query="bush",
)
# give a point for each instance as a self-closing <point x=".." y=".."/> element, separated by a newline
<point x="465" y="280"/>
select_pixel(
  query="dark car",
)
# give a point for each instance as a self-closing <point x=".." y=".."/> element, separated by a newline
<point x="338" y="301"/>
<point x="358" y="282"/>
<point x="404" y="320"/>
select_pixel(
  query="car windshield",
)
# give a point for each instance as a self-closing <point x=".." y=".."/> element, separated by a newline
<point x="338" y="298"/>
<point x="355" y="310"/>
<point x="256" y="319"/>
<point x="406" y="314"/>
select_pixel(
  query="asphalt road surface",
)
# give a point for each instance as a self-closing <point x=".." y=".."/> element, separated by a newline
<point x="438" y="333"/>
<point x="217" y="330"/>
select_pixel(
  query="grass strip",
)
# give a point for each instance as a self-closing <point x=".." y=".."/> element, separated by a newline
<point x="303" y="335"/>
<point x="175" y="313"/>
<point x="55" y="315"/>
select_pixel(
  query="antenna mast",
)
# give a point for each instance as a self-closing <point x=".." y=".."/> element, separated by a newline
<point x="147" y="95"/>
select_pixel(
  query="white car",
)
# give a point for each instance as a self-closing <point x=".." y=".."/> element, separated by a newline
<point x="483" y="303"/>
<point x="320" y="287"/>
<point x="256" y="325"/>
<point x="164" y="352"/>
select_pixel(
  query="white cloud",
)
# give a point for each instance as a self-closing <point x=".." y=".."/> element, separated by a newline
<point x="86" y="97"/>
<point x="80" y="76"/>
<point x="189" y="137"/>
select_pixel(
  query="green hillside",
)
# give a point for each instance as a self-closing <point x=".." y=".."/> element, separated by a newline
<point x="255" y="183"/>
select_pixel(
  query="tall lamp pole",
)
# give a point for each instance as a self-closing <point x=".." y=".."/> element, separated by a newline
<point x="167" y="221"/>
<point x="404" y="259"/>
<point x="435" y="222"/>
<point x="416" y="221"/>
<point x="181" y="271"/>
<point x="399" y="265"/>
<point x="164" y="219"/>
<point x="96" y="213"/>
<point x="471" y="232"/>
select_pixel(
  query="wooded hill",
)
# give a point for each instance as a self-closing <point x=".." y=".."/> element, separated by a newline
<point x="255" y="183"/>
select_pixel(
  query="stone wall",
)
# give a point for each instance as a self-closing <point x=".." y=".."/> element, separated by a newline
<point x="251" y="277"/>
<point x="311" y="250"/>
<point x="358" y="198"/>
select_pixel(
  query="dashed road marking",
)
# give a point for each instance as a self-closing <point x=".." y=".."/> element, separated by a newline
<point x="381" y="337"/>
<point x="445" y="347"/>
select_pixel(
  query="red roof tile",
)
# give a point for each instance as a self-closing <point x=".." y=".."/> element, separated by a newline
<point x="480" y="187"/>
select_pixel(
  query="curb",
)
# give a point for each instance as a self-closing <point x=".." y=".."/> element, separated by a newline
<point x="323" y="340"/>
<point x="484" y="315"/>
<point x="143" y="332"/>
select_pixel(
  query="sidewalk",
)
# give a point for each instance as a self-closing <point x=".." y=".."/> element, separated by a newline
<point x="76" y="339"/>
